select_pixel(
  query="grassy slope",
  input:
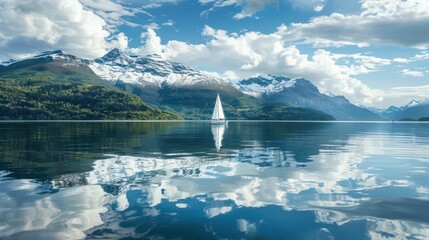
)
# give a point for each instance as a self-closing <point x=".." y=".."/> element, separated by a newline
<point x="61" y="89"/>
<point x="197" y="102"/>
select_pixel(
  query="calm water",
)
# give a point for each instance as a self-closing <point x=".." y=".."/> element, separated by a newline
<point x="249" y="180"/>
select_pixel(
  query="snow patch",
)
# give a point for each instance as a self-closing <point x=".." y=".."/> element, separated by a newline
<point x="117" y="66"/>
<point x="276" y="84"/>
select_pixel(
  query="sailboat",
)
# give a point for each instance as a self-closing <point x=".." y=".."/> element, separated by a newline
<point x="218" y="116"/>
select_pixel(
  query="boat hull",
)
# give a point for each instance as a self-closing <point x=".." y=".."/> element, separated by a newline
<point x="219" y="122"/>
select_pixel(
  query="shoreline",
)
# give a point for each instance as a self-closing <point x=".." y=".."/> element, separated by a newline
<point x="205" y="121"/>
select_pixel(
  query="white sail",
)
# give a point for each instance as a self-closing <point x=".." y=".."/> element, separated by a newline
<point x="218" y="110"/>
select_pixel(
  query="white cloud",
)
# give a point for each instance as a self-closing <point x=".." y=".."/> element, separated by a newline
<point x="112" y="12"/>
<point x="151" y="25"/>
<point x="401" y="60"/>
<point x="150" y="4"/>
<point x="250" y="7"/>
<point x="151" y="43"/>
<point x="421" y="56"/>
<point x="424" y="55"/>
<point x="399" y="96"/>
<point x="366" y="63"/>
<point x="318" y="8"/>
<point x="120" y="41"/>
<point x="169" y="23"/>
<point x="31" y="26"/>
<point x="381" y="22"/>
<point x="253" y="53"/>
<point x="316" y="5"/>
<point x="413" y="73"/>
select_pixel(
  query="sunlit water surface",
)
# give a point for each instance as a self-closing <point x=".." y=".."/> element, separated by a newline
<point x="192" y="180"/>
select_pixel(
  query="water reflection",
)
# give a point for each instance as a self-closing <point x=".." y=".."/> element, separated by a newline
<point x="218" y="131"/>
<point x="28" y="211"/>
<point x="314" y="182"/>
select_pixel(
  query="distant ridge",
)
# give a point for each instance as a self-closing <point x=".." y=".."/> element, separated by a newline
<point x="413" y="110"/>
<point x="303" y="93"/>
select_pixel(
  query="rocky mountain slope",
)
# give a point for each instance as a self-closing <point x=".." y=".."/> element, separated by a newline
<point x="190" y="92"/>
<point x="301" y="92"/>
<point x="414" y="110"/>
<point x="175" y="87"/>
<point x="55" y="85"/>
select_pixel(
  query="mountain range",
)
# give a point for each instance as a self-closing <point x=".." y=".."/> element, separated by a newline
<point x="165" y="88"/>
<point x="414" y="110"/>
<point x="301" y="92"/>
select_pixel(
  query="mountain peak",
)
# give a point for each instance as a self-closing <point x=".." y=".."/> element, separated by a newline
<point x="151" y="69"/>
<point x="115" y="56"/>
<point x="7" y="62"/>
<point x="114" y="53"/>
<point x="155" y="57"/>
<point x="47" y="55"/>
<point x="50" y="53"/>
<point x="412" y="103"/>
<point x="272" y="77"/>
<point x="264" y="83"/>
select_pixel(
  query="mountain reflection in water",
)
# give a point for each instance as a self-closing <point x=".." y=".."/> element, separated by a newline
<point x="197" y="181"/>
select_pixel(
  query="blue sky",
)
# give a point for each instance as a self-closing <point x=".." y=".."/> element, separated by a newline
<point x="374" y="52"/>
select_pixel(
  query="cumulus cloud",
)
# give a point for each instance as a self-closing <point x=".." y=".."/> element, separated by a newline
<point x="120" y="41"/>
<point x="412" y="73"/>
<point x="395" y="22"/>
<point x="252" y="53"/>
<point x="151" y="44"/>
<point x="31" y="26"/>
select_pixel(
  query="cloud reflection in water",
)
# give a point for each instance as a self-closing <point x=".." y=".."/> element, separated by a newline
<point x="334" y="185"/>
<point x="302" y="182"/>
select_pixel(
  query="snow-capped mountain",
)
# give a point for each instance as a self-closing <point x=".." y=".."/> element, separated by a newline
<point x="7" y="63"/>
<point x="415" y="109"/>
<point x="116" y="66"/>
<point x="301" y="92"/>
<point x="191" y="92"/>
<point x="264" y="84"/>
<point x="152" y="69"/>
<point x="421" y="110"/>
<point x="411" y="104"/>
<point x="53" y="60"/>
<point x="164" y="83"/>
<point x="48" y="54"/>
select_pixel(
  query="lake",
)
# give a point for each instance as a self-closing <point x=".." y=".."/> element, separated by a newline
<point x="192" y="180"/>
